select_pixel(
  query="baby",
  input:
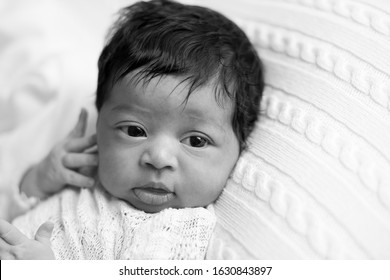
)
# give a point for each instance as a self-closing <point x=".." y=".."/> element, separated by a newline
<point x="178" y="93"/>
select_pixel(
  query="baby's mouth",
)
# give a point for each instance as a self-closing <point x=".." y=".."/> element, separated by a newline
<point x="154" y="194"/>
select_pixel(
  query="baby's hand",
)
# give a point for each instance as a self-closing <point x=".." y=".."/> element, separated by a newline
<point x="64" y="160"/>
<point x="14" y="245"/>
<point x="64" y="164"/>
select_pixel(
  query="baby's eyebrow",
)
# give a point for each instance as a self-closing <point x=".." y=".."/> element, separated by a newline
<point x="125" y="108"/>
<point x="197" y="114"/>
<point x="200" y="116"/>
<point x="120" y="108"/>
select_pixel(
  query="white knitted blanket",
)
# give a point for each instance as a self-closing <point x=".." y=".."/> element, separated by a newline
<point x="90" y="224"/>
<point x="315" y="180"/>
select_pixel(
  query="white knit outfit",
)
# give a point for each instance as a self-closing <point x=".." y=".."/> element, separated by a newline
<point x="91" y="224"/>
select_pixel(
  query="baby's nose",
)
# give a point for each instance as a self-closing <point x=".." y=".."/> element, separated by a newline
<point x="160" y="155"/>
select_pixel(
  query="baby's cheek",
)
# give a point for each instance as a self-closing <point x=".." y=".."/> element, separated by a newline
<point x="111" y="179"/>
<point x="109" y="169"/>
<point x="211" y="186"/>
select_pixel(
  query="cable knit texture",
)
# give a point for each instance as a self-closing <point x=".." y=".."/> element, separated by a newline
<point x="90" y="224"/>
<point x="315" y="180"/>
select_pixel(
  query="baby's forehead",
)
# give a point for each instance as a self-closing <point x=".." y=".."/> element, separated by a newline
<point x="171" y="95"/>
<point x="184" y="84"/>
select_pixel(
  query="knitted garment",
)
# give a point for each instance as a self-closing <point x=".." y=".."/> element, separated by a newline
<point x="315" y="180"/>
<point x="90" y="224"/>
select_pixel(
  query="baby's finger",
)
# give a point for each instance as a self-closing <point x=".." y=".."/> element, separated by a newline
<point x="4" y="247"/>
<point x="44" y="233"/>
<point x="73" y="160"/>
<point x="79" y="129"/>
<point x="11" y="234"/>
<point x="6" y="255"/>
<point x="80" y="144"/>
<point x="75" y="179"/>
<point x="92" y="150"/>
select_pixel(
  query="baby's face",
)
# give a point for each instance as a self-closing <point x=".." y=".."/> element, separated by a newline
<point x="156" y="151"/>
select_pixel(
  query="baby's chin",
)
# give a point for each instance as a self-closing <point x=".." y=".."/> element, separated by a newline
<point x="148" y="208"/>
<point x="151" y="209"/>
<point x="138" y="200"/>
<point x="134" y="202"/>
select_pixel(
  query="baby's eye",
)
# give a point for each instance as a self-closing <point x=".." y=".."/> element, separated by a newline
<point x="134" y="131"/>
<point x="196" y="141"/>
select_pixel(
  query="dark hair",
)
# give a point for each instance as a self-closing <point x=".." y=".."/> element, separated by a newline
<point x="168" y="38"/>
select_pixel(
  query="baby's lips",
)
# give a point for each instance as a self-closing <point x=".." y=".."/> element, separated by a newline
<point x="157" y="186"/>
<point x="152" y="196"/>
